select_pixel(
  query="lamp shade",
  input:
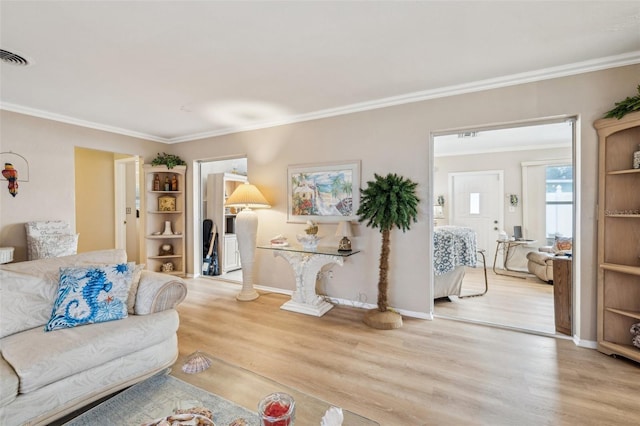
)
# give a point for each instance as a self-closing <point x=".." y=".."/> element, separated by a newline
<point x="247" y="195"/>
<point x="344" y="229"/>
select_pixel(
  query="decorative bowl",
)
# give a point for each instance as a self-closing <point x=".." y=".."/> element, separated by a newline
<point x="309" y="242"/>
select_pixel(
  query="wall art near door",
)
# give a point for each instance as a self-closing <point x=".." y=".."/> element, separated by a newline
<point x="323" y="192"/>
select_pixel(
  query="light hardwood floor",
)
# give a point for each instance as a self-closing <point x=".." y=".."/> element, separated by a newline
<point x="439" y="372"/>
<point x="513" y="302"/>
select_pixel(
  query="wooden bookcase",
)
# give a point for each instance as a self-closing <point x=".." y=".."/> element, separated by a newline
<point x="155" y="219"/>
<point x="618" y="235"/>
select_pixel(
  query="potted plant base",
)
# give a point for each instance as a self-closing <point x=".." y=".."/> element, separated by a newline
<point x="387" y="320"/>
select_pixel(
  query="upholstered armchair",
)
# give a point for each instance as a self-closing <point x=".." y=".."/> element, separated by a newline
<point x="540" y="263"/>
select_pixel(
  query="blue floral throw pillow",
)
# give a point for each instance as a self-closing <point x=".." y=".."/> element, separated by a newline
<point x="91" y="294"/>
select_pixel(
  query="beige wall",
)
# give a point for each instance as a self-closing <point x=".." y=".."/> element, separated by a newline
<point x="509" y="162"/>
<point x="394" y="139"/>
<point x="95" y="202"/>
<point x="50" y="193"/>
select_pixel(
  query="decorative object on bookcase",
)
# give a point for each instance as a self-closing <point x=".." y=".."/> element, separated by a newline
<point x="167" y="228"/>
<point x="167" y="203"/>
<point x="622" y="108"/>
<point x="166" y="250"/>
<point x="618" y="306"/>
<point x="387" y="202"/>
<point x="168" y="160"/>
<point x="167" y="267"/>
<point x="636" y="159"/>
<point x="635" y="334"/>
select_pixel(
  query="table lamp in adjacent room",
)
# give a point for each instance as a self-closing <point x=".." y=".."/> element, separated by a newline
<point x="247" y="197"/>
<point x="344" y="231"/>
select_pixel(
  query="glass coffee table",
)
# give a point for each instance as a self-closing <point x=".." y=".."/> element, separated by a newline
<point x="246" y="389"/>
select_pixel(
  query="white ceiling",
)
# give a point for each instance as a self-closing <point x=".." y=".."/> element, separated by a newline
<point x="544" y="135"/>
<point x="179" y="70"/>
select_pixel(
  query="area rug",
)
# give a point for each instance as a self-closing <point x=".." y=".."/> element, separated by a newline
<point x="155" y="398"/>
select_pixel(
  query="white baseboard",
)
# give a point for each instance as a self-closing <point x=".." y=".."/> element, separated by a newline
<point x="589" y="344"/>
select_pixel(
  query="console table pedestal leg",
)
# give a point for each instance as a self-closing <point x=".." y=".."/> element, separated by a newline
<point x="305" y="267"/>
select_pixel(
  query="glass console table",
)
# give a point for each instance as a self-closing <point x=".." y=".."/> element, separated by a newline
<point x="306" y="264"/>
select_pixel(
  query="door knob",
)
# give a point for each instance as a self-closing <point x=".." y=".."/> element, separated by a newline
<point x="495" y="221"/>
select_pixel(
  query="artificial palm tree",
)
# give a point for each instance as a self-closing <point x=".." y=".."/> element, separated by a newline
<point x="387" y="202"/>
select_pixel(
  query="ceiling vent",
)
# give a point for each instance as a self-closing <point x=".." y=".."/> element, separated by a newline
<point x="13" y="59"/>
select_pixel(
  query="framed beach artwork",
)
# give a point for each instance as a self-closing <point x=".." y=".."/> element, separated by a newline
<point x="327" y="192"/>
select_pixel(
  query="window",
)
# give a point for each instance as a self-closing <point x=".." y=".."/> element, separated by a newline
<point x="474" y="203"/>
<point x="559" y="201"/>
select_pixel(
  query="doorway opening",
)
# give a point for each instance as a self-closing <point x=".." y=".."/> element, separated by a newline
<point x="217" y="254"/>
<point x="107" y="201"/>
<point x="514" y="187"/>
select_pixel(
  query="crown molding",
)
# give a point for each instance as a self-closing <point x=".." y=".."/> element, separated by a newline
<point x="78" y="122"/>
<point x="630" y="58"/>
<point x="599" y="64"/>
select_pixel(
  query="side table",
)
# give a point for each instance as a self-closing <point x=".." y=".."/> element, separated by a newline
<point x="306" y="264"/>
<point x="505" y="246"/>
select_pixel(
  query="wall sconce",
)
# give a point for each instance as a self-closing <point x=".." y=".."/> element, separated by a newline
<point x="438" y="213"/>
<point x="344" y="231"/>
<point x="513" y="200"/>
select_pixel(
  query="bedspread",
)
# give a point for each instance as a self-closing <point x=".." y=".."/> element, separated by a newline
<point x="453" y="246"/>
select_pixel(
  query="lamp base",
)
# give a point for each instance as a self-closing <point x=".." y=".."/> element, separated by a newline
<point x="247" y="295"/>
<point x="345" y="244"/>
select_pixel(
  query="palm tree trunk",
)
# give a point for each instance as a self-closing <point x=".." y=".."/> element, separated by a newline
<point x="383" y="281"/>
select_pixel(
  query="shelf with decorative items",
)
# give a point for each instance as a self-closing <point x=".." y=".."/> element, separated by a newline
<point x="165" y="218"/>
<point x="618" y="289"/>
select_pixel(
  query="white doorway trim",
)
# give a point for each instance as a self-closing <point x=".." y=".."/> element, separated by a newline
<point x="197" y="206"/>
<point x="577" y="325"/>
<point x="120" y="186"/>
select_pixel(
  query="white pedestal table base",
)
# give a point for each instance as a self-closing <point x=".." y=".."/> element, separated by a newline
<point x="305" y="267"/>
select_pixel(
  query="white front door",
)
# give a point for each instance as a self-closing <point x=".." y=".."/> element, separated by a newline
<point x="477" y="201"/>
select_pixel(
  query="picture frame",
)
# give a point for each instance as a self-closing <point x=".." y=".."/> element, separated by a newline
<point x="323" y="192"/>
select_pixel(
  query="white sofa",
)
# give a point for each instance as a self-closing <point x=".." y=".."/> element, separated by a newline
<point x="46" y="375"/>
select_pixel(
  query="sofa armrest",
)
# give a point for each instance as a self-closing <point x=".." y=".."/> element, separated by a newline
<point x="540" y="258"/>
<point x="158" y="292"/>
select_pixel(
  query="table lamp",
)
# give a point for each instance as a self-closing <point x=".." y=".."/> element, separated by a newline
<point x="344" y="231"/>
<point x="247" y="196"/>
